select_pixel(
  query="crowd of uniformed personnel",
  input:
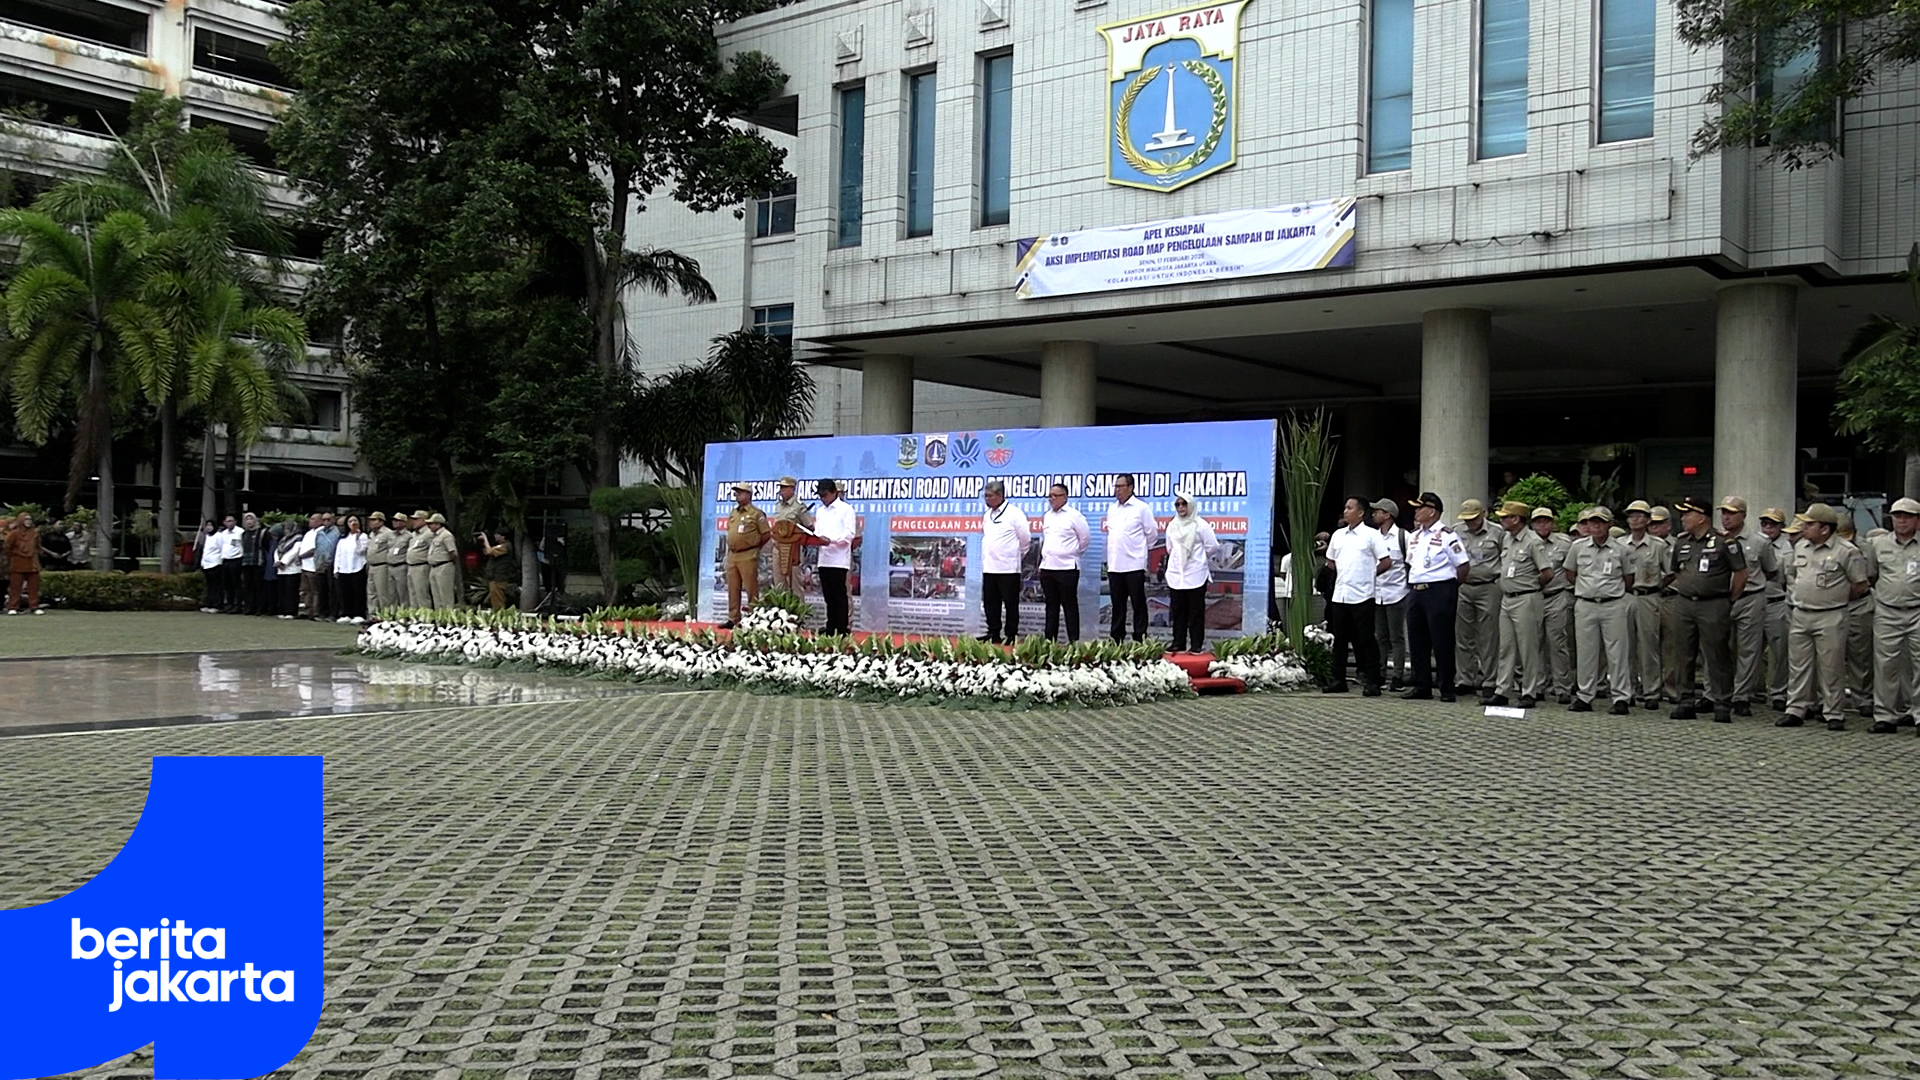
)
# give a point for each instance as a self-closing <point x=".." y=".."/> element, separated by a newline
<point x="1661" y="609"/>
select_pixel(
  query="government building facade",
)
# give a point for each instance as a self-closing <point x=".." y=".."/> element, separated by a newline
<point x="1471" y="230"/>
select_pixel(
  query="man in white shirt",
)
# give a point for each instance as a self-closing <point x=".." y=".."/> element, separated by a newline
<point x="1391" y="595"/>
<point x="1004" y="537"/>
<point x="1064" y="537"/>
<point x="1437" y="563"/>
<point x="835" y="524"/>
<point x="1131" y="531"/>
<point x="1358" y="555"/>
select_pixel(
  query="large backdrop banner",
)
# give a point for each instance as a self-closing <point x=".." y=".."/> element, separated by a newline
<point x="918" y="498"/>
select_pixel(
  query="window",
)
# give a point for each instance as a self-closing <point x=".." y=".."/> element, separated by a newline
<point x="1503" y="78"/>
<point x="325" y="408"/>
<point x="235" y="57"/>
<point x="84" y="20"/>
<point x="252" y="142"/>
<point x="852" y="188"/>
<point x="1626" y="70"/>
<point x="920" y="154"/>
<point x="996" y="139"/>
<point x="775" y="322"/>
<point x="1782" y="80"/>
<point x="773" y="213"/>
<point x="58" y="106"/>
<point x="1390" y="87"/>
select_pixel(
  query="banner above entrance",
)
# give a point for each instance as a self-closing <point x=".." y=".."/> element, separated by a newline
<point x="1242" y="243"/>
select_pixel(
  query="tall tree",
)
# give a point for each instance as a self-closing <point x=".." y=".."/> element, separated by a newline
<point x="1879" y="397"/>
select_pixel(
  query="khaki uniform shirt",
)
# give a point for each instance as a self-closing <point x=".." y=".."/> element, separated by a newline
<point x="441" y="547"/>
<point x="417" y="547"/>
<point x="1559" y="548"/>
<point x="1521" y="562"/>
<point x="1758" y="552"/>
<point x="1703" y="567"/>
<point x="379" y="547"/>
<point x="1483" y="549"/>
<point x="792" y="510"/>
<point x="1824" y="574"/>
<point x="747" y="530"/>
<point x="1897" y="570"/>
<point x="1599" y="571"/>
<point x="1646" y="560"/>
<point x="1782" y="546"/>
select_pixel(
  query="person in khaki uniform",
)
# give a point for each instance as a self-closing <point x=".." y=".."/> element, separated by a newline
<point x="792" y="519"/>
<point x="1476" y="622"/>
<point x="1706" y="573"/>
<point x="379" y="552"/>
<point x="1750" y="607"/>
<point x="1828" y="573"/>
<point x="747" y="532"/>
<point x="443" y="557"/>
<point x="1557" y="607"/>
<point x="397" y="559"/>
<point x="1773" y="522"/>
<point x="1859" y="634"/>
<point x="1600" y="569"/>
<point x="419" y="580"/>
<point x="1895" y="565"/>
<point x="1526" y="564"/>
<point x="1647" y="561"/>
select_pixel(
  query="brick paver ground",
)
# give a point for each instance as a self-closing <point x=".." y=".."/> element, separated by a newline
<point x="122" y="633"/>
<point x="715" y="885"/>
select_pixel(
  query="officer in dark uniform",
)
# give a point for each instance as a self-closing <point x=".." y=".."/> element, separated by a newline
<point x="1706" y="573"/>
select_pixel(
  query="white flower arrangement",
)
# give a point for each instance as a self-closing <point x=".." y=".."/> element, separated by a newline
<point x="678" y="611"/>
<point x="769" y="620"/>
<point x="766" y="657"/>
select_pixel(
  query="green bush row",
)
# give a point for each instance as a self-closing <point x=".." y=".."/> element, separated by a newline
<point x="97" y="590"/>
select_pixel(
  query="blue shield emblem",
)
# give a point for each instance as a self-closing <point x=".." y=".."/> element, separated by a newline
<point x="935" y="451"/>
<point x="1171" y="108"/>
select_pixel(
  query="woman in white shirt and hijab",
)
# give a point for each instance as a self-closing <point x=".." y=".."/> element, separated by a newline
<point x="1190" y="546"/>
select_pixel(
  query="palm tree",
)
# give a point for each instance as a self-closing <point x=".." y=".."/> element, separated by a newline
<point x="75" y="310"/>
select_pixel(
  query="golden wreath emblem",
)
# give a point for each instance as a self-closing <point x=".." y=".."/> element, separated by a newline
<point x="1167" y="172"/>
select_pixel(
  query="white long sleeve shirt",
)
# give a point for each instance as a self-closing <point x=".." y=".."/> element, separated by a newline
<point x="350" y="554"/>
<point x="1195" y="570"/>
<point x="308" y="559"/>
<point x="1004" y="536"/>
<point x="835" y="523"/>
<point x="213" y="551"/>
<point x="1063" y="539"/>
<point x="231" y="544"/>
<point x="1131" y="530"/>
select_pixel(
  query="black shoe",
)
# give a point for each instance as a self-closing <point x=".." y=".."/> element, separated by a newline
<point x="1565" y="699"/>
<point x="1334" y="688"/>
<point x="1866" y="712"/>
<point x="1418" y="695"/>
<point x="989" y="639"/>
<point x="1789" y="720"/>
<point x="1463" y="688"/>
<point x="726" y="624"/>
<point x="1779" y="704"/>
<point x="1497" y="700"/>
<point x="1369" y="691"/>
<point x="1619" y="709"/>
<point x="1723" y="715"/>
<point x="1684" y="712"/>
<point x="1580" y="706"/>
<point x="1449" y="697"/>
<point x="1396" y="686"/>
<point x="1527" y="702"/>
<point x="1882" y="727"/>
<point x="1904" y="721"/>
<point x="1836" y="725"/>
<point x="1743" y="708"/>
<point x="1651" y="705"/>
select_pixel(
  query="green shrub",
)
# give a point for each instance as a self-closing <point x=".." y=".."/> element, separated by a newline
<point x="785" y="601"/>
<point x="96" y="590"/>
<point x="1543" y="490"/>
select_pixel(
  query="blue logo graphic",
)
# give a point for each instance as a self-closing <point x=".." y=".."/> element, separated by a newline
<point x="1171" y="106"/>
<point x="202" y="937"/>
<point x="966" y="449"/>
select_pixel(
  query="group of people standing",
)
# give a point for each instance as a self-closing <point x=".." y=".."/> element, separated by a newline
<point x="1797" y="614"/>
<point x="326" y="570"/>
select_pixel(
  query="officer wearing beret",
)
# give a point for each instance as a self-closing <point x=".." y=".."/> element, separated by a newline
<point x="1557" y="609"/>
<point x="1600" y="570"/>
<point x="1750" y="607"/>
<point x="1894" y="558"/>
<point x="1647" y="561"/>
<point x="1773" y="523"/>
<point x="1437" y="562"/>
<point x="1827" y="574"/>
<point x="747" y="532"/>
<point x="1705" y="573"/>
<point x="443" y="557"/>
<point x="1477" y="622"/>
<point x="1526" y="564"/>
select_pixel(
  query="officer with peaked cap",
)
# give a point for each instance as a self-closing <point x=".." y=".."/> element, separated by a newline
<point x="379" y="556"/>
<point x="1750" y="606"/>
<point x="1476" y="627"/>
<point x="1437" y="562"/>
<point x="1773" y="522"/>
<point x="397" y="560"/>
<point x="1828" y="573"/>
<point x="419" y="579"/>
<point x="791" y="520"/>
<point x="1600" y="570"/>
<point x="1526" y="564"/>
<point x="1705" y="573"/>
<point x="443" y="559"/>
<point x="1895" y="559"/>
<point x="747" y="532"/>
<point x="1557" y="607"/>
<point x="1647" y="562"/>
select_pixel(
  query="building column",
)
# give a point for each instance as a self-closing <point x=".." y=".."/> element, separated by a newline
<point x="1756" y="395"/>
<point x="886" y="395"/>
<point x="1455" y="400"/>
<point x="1068" y="377"/>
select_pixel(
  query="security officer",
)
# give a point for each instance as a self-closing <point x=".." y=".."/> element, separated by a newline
<point x="1750" y="607"/>
<point x="1647" y="562"/>
<point x="1437" y="563"/>
<point x="790" y="516"/>
<point x="397" y="559"/>
<point x="419" y="580"/>
<point x="1600" y="571"/>
<point x="1706" y="573"/>
<point x="1476" y="624"/>
<point x="443" y="557"/>
<point x="1827" y="573"/>
<point x="1859" y="633"/>
<point x="1557" y="610"/>
<point x="747" y="532"/>
<point x="1660" y="525"/>
<point x="1773" y="522"/>
<point x="379" y="550"/>
<point x="1526" y="564"/>
<point x="1895" y="559"/>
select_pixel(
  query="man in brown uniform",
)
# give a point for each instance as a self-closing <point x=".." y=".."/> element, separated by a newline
<point x="1859" y="632"/>
<point x="1525" y="565"/>
<point x="790" y="516"/>
<point x="1773" y="522"/>
<point x="1895" y="559"/>
<point x="443" y="564"/>
<point x="1750" y="607"/>
<point x="1600" y="569"/>
<point x="1557" y="617"/>
<point x="1827" y="574"/>
<point x="1647" y="561"/>
<point x="397" y="559"/>
<point x="1706" y="573"/>
<point x="419" y="579"/>
<point x="1476" y="624"/>
<point x="747" y="532"/>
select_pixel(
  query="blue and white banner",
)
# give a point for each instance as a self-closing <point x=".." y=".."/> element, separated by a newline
<point x="918" y="499"/>
<point x="1242" y="243"/>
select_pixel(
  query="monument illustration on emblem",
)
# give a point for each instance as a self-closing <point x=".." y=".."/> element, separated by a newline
<point x="1171" y="136"/>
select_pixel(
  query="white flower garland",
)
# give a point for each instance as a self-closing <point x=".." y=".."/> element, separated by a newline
<point x="769" y="620"/>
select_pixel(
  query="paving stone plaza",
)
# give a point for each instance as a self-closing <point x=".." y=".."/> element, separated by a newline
<point x="706" y="884"/>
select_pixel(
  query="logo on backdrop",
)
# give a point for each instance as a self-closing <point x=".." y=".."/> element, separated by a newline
<point x="202" y="937"/>
<point x="966" y="450"/>
<point x="1171" y="104"/>
<point x="1001" y="452"/>
<point x="909" y="451"/>
<point x="935" y="453"/>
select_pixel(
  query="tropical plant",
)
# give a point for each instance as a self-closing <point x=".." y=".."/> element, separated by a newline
<point x="1306" y="464"/>
<point x="1539" y="489"/>
<point x="1879" y="398"/>
<point x="788" y="601"/>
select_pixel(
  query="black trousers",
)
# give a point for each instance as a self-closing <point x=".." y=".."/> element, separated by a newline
<point x="323" y="595"/>
<point x="249" y="602"/>
<point x="350" y="594"/>
<point x="1352" y="626"/>
<point x="1189" y="619"/>
<point x="216" y="596"/>
<point x="833" y="590"/>
<point x="1061" y="589"/>
<point x="1128" y="586"/>
<point x="1430" y="633"/>
<point x="1000" y="593"/>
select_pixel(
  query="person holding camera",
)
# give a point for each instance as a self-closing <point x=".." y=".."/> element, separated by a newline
<point x="500" y="569"/>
